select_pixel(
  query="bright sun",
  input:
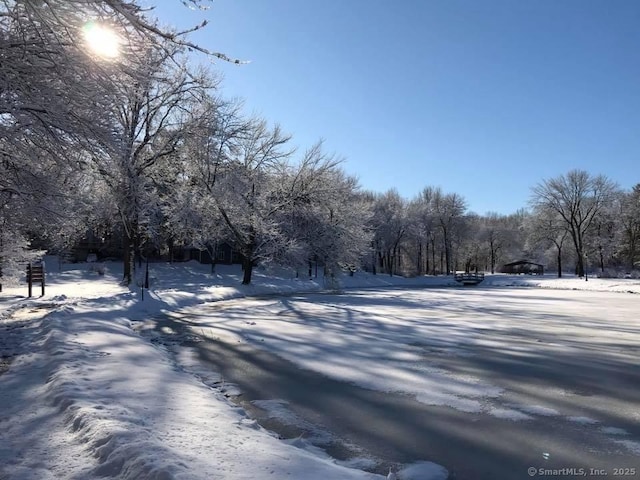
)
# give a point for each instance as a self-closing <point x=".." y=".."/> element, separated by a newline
<point x="101" y="40"/>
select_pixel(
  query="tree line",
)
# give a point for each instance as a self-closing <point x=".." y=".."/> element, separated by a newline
<point x="142" y="147"/>
<point x="573" y="222"/>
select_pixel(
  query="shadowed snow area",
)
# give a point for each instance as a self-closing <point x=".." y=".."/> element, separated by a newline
<point x="484" y="381"/>
<point x="83" y="395"/>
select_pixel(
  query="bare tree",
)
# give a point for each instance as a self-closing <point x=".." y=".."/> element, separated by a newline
<point x="152" y="113"/>
<point x="448" y="209"/>
<point x="327" y="215"/>
<point x="546" y="226"/>
<point x="56" y="95"/>
<point x="389" y="224"/>
<point x="422" y="228"/>
<point x="207" y="156"/>
<point x="578" y="198"/>
<point x="629" y="228"/>
<point x="249" y="196"/>
<point x="495" y="237"/>
<point x="500" y="237"/>
<point x="602" y="235"/>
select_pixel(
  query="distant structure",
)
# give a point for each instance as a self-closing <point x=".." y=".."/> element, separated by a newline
<point x="523" y="267"/>
<point x="469" y="278"/>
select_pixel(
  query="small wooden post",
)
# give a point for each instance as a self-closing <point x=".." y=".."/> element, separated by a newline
<point x="35" y="273"/>
<point x="42" y="280"/>
<point x="29" y="279"/>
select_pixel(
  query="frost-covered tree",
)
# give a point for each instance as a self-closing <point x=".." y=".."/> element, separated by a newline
<point x="206" y="155"/>
<point x="191" y="217"/>
<point x="449" y="210"/>
<point x="501" y="238"/>
<point x="65" y="64"/>
<point x="629" y="228"/>
<point x="15" y="247"/>
<point x="250" y="197"/>
<point x="49" y="88"/>
<point x="578" y="198"/>
<point x="42" y="198"/>
<point x="152" y="113"/>
<point x="327" y="215"/>
<point x="389" y="224"/>
<point x="48" y="116"/>
<point x="545" y="227"/>
<point x="601" y="240"/>
<point x="272" y="208"/>
<point x="437" y="225"/>
<point x="422" y="230"/>
<point x="494" y="234"/>
<point x="133" y="20"/>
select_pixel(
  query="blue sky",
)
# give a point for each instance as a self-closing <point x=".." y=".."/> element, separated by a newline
<point x="482" y="98"/>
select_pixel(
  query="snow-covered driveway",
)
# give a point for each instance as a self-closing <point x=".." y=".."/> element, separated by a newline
<point x="498" y="380"/>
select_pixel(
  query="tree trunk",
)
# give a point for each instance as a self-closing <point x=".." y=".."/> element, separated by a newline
<point x="128" y="261"/>
<point x="447" y="256"/>
<point x="632" y="236"/>
<point x="580" y="266"/>
<point x="393" y="261"/>
<point x="426" y="257"/>
<point x="138" y="254"/>
<point x="559" y="262"/>
<point x="213" y="253"/>
<point x="601" y="258"/>
<point x="493" y="258"/>
<point x="577" y="242"/>
<point x="247" y="266"/>
<point x="433" y="256"/>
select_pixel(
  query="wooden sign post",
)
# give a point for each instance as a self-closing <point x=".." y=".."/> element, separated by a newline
<point x="35" y="273"/>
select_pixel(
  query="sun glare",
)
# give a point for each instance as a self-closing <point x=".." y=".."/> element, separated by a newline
<point x="101" y="40"/>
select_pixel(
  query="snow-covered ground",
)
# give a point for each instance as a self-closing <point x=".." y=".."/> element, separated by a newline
<point x="379" y="338"/>
<point x="82" y="395"/>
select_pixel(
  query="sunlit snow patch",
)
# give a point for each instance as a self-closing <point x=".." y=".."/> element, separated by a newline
<point x="423" y="471"/>
<point x="614" y="431"/>
<point x="583" y="420"/>
<point x="509" y="414"/>
<point x="630" y="445"/>
<point x="536" y="410"/>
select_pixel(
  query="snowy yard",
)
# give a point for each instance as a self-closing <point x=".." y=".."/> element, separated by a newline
<point x="543" y="375"/>
<point x="394" y="340"/>
<point x="554" y="371"/>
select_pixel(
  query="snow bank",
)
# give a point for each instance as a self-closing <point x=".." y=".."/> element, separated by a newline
<point x="86" y="397"/>
<point x="565" y="283"/>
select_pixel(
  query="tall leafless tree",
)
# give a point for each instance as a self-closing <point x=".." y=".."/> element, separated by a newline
<point x="578" y="198"/>
<point x="629" y="228"/>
